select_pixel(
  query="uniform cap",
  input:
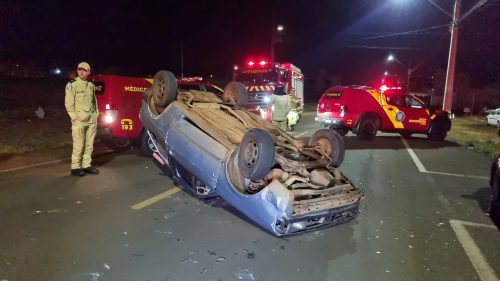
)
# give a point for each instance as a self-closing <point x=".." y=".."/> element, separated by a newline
<point x="84" y="65"/>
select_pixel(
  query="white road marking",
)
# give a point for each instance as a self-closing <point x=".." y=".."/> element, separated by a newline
<point x="34" y="165"/>
<point x="475" y="255"/>
<point x="155" y="198"/>
<point x="419" y="164"/>
<point x="421" y="168"/>
<point x="301" y="134"/>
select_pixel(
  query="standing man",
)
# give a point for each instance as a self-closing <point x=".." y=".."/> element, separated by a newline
<point x="81" y="104"/>
<point x="281" y="106"/>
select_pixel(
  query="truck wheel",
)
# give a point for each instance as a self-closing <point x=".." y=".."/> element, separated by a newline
<point x="256" y="154"/>
<point x="332" y="143"/>
<point x="342" y="131"/>
<point x="368" y="128"/>
<point x="118" y="144"/>
<point x="164" y="88"/>
<point x="235" y="93"/>
<point x="437" y="132"/>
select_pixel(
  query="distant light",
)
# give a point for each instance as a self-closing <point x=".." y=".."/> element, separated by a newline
<point x="57" y="71"/>
<point x="390" y="58"/>
<point x="211" y="75"/>
<point x="235" y="67"/>
<point x="262" y="62"/>
<point x="280" y="27"/>
<point x="17" y="65"/>
<point x="386" y="73"/>
<point x="251" y="63"/>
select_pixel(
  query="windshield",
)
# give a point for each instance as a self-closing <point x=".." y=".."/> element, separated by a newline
<point x="257" y="76"/>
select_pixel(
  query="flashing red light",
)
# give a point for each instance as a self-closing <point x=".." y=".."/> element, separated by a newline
<point x="251" y="63"/>
<point x="262" y="62"/>
<point x="384" y="88"/>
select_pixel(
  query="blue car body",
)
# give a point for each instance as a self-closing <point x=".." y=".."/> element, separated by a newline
<point x="206" y="166"/>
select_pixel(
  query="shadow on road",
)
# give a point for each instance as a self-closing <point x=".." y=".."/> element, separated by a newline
<point x="482" y="196"/>
<point x="395" y="142"/>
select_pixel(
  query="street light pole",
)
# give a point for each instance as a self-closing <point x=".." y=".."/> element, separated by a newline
<point x="450" y="72"/>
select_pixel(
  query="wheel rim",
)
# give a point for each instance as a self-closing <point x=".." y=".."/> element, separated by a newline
<point x="325" y="145"/>
<point x="151" y="144"/>
<point x="251" y="153"/>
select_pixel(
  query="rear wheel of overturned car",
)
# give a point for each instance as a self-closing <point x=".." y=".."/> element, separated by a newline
<point x="235" y="93"/>
<point x="368" y="127"/>
<point x="331" y="143"/>
<point x="256" y="154"/>
<point x="164" y="88"/>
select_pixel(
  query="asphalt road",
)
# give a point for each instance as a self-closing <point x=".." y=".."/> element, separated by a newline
<point x="422" y="219"/>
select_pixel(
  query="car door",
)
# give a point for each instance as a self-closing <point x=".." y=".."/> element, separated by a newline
<point x="416" y="115"/>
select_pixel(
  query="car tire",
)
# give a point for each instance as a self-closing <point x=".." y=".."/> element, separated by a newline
<point x="405" y="134"/>
<point x="342" y="131"/>
<point x="333" y="143"/>
<point x="164" y="88"/>
<point x="119" y="144"/>
<point x="235" y="93"/>
<point x="368" y="127"/>
<point x="494" y="204"/>
<point x="256" y="154"/>
<point x="437" y="132"/>
<point x="145" y="145"/>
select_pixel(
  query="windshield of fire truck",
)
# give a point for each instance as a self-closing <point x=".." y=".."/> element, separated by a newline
<point x="257" y="76"/>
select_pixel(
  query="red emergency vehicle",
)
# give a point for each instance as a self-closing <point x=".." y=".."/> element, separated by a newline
<point x="365" y="111"/>
<point x="261" y="78"/>
<point x="119" y="102"/>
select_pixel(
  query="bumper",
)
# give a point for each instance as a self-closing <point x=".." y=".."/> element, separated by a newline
<point x="332" y="122"/>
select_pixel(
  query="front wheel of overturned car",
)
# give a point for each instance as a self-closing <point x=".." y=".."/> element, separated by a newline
<point x="164" y="88"/>
<point x="368" y="127"/>
<point x="256" y="154"/>
<point x="235" y="93"/>
<point x="331" y="143"/>
<point x="146" y="146"/>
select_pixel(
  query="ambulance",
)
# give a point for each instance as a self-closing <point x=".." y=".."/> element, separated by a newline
<point x="261" y="78"/>
<point x="119" y="101"/>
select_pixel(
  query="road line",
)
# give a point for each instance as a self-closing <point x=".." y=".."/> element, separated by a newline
<point x="475" y="255"/>
<point x="34" y="165"/>
<point x="458" y="175"/>
<point x="419" y="164"/>
<point x="155" y="198"/>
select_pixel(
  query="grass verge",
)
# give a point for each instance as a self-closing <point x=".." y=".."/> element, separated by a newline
<point x="473" y="131"/>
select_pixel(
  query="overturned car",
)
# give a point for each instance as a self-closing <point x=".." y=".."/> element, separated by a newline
<point x="213" y="147"/>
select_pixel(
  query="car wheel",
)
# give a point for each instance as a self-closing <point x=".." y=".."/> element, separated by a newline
<point x="437" y="132"/>
<point x="147" y="145"/>
<point x="494" y="206"/>
<point x="368" y="128"/>
<point x="405" y="134"/>
<point x="256" y="154"/>
<point x="235" y="93"/>
<point x="119" y="144"/>
<point x="164" y="88"/>
<point x="342" y="131"/>
<point x="332" y="143"/>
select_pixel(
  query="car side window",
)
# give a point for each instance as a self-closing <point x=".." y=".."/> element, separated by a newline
<point x="411" y="102"/>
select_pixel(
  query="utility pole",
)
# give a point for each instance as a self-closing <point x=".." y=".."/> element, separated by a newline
<point x="450" y="72"/>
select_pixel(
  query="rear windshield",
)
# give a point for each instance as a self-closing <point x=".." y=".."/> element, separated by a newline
<point x="99" y="87"/>
<point x="333" y="94"/>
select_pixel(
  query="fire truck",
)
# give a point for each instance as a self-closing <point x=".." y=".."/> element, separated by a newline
<point x="262" y="77"/>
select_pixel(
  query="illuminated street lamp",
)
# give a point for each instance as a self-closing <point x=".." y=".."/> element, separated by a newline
<point x="392" y="58"/>
<point x="274" y="39"/>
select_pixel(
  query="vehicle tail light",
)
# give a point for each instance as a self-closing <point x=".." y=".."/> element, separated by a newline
<point x="110" y="115"/>
<point x="343" y="111"/>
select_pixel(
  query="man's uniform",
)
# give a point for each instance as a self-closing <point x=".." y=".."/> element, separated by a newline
<point x="282" y="105"/>
<point x="81" y="104"/>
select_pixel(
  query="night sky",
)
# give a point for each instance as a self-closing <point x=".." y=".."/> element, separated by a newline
<point x="349" y="38"/>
